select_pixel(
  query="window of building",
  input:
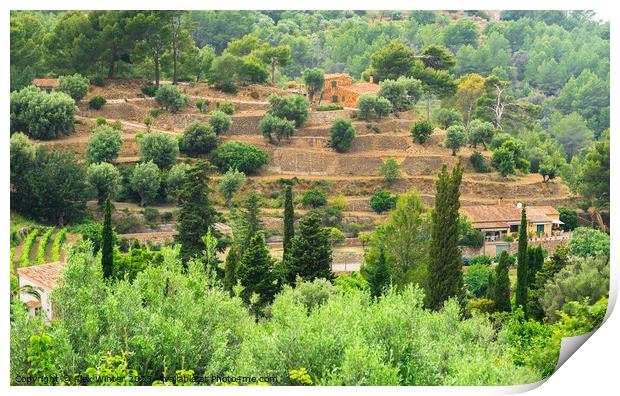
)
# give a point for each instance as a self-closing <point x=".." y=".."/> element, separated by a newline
<point x="514" y="228"/>
<point x="501" y="248"/>
<point x="540" y="228"/>
<point x="335" y="99"/>
<point x="334" y="84"/>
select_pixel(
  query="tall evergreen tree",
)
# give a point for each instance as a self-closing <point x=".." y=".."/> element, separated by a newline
<point x="377" y="274"/>
<point x="250" y="221"/>
<point x="311" y="251"/>
<point x="445" y="278"/>
<point x="535" y="259"/>
<point x="196" y="213"/>
<point x="230" y="268"/>
<point x="501" y="294"/>
<point x="522" y="264"/>
<point x="289" y="220"/>
<point x="256" y="274"/>
<point x="107" y="241"/>
<point x="548" y="271"/>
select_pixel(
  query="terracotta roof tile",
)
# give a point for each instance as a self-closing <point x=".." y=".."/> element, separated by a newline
<point x="362" y="88"/>
<point x="44" y="275"/>
<point x="483" y="214"/>
<point x="335" y="75"/>
<point x="45" y="82"/>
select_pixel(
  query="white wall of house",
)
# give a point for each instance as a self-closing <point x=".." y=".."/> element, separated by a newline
<point x="46" y="303"/>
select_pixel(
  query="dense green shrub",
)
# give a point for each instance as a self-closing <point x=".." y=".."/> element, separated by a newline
<point x="588" y="242"/>
<point x="390" y="170"/>
<point x="328" y="107"/>
<point x="175" y="179"/>
<point x="226" y="107"/>
<point x="290" y="107"/>
<point x="421" y="131"/>
<point x="160" y="148"/>
<point x="236" y="155"/>
<point x="455" y="138"/>
<point x="382" y="201"/>
<point x="199" y="138"/>
<point x="476" y="279"/>
<point x="104" y="145"/>
<point x="479" y="163"/>
<point x="96" y="102"/>
<point x="149" y="90"/>
<point x="569" y="217"/>
<point x="41" y="115"/>
<point x="230" y="183"/>
<point x="342" y="134"/>
<point x="314" y="198"/>
<point x="171" y="98"/>
<point x="75" y="86"/>
<point x="155" y="112"/>
<point x="481" y="260"/>
<point x="220" y="122"/>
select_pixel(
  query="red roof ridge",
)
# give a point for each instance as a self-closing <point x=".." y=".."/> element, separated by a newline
<point x="44" y="275"/>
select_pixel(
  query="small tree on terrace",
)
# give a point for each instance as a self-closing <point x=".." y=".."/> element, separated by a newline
<point x="390" y="170"/>
<point x="421" y="131"/>
<point x="455" y="138"/>
<point x="480" y="132"/>
<point x="383" y="107"/>
<point x="75" y="86"/>
<point x="145" y="180"/>
<point x="445" y="117"/>
<point x="276" y="56"/>
<point x="271" y="126"/>
<point x="342" y="133"/>
<point x="503" y="160"/>
<point x="230" y="183"/>
<point x="290" y="107"/>
<point x="104" y="145"/>
<point x="171" y="98"/>
<point x="314" y="80"/>
<point x="104" y="178"/>
<point x="366" y="105"/>
<point x="395" y="92"/>
<point x="220" y="122"/>
<point x="160" y="148"/>
<point x="199" y="138"/>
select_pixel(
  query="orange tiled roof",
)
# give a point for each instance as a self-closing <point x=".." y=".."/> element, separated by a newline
<point x="44" y="275"/>
<point x="487" y="215"/>
<point x="45" y="82"/>
<point x="362" y="88"/>
<point x="335" y="75"/>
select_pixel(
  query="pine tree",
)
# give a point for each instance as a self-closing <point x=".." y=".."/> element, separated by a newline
<point x="522" y="264"/>
<point x="311" y="251"/>
<point x="230" y="268"/>
<point x="289" y="221"/>
<point x="501" y="293"/>
<point x="107" y="242"/>
<point x="377" y="274"/>
<point x="196" y="214"/>
<point x="445" y="278"/>
<point x="250" y="222"/>
<point x="255" y="272"/>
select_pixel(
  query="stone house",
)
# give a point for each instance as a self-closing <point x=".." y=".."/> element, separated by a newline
<point x="46" y="84"/>
<point x="340" y="89"/>
<point x="496" y="222"/>
<point x="42" y="280"/>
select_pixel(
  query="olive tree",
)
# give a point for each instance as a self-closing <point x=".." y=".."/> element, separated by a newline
<point x="220" y="122"/>
<point x="455" y="138"/>
<point x="145" y="181"/>
<point x="230" y="183"/>
<point x="104" y="178"/>
<point x="41" y="115"/>
<point x="104" y="145"/>
<point x="171" y="98"/>
<point x="342" y="134"/>
<point x="75" y="86"/>
<point x="160" y="148"/>
<point x="199" y="138"/>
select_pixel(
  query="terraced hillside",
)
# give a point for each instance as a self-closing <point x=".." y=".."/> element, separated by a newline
<point x="308" y="156"/>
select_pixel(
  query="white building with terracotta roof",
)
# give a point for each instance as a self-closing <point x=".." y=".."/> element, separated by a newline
<point x="46" y="84"/>
<point x="42" y="279"/>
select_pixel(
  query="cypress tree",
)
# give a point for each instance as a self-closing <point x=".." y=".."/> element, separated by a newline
<point x="107" y="241"/>
<point x="445" y="262"/>
<point x="251" y="223"/>
<point x="548" y="270"/>
<point x="289" y="221"/>
<point x="311" y="251"/>
<point x="522" y="264"/>
<point x="377" y="274"/>
<point x="196" y="215"/>
<point x="501" y="293"/>
<point x="531" y="258"/>
<point x="255" y="272"/>
<point x="230" y="269"/>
